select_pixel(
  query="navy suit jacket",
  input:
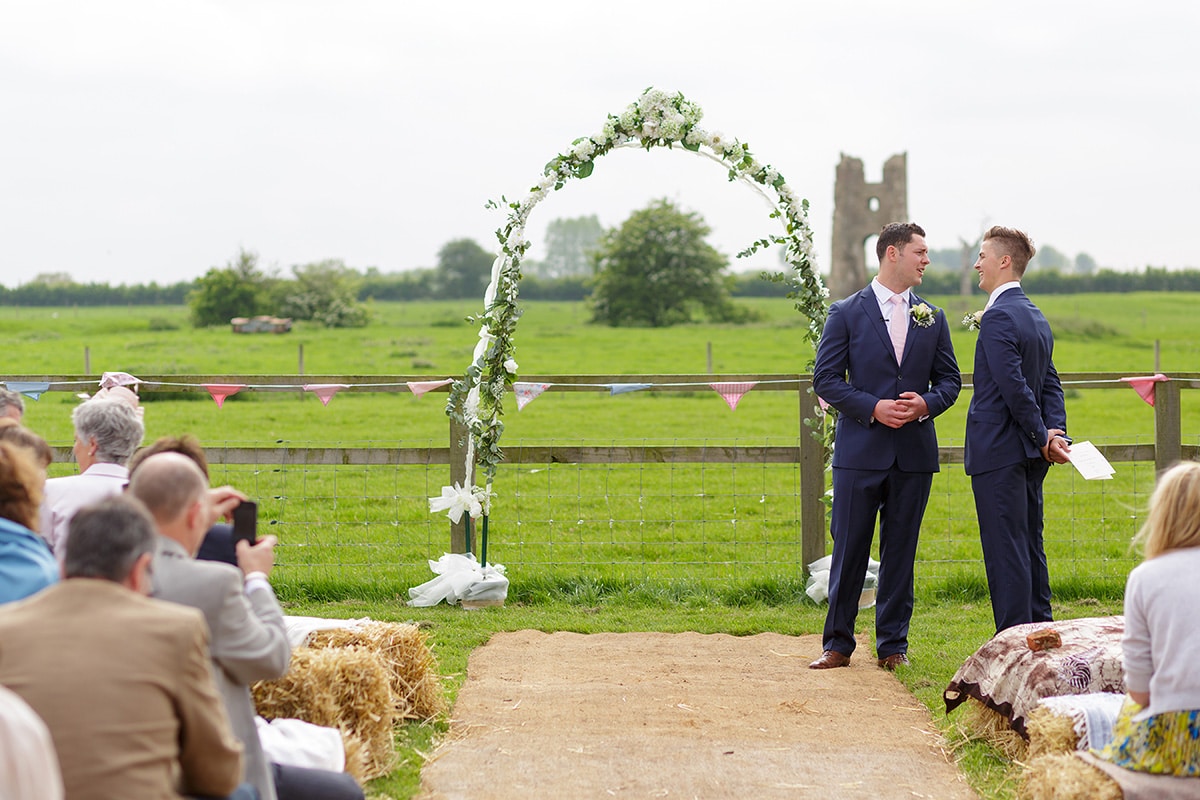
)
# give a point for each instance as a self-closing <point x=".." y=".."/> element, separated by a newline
<point x="856" y="367"/>
<point x="1017" y="394"/>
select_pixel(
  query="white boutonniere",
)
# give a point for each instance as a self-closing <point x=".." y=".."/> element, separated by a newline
<point x="923" y="315"/>
<point x="972" y="319"/>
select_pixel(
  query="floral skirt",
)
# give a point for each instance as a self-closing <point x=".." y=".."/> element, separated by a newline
<point x="1165" y="744"/>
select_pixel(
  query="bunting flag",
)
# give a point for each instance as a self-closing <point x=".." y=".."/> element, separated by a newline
<point x="419" y="388"/>
<point x="821" y="402"/>
<point x="325" y="391"/>
<point x="110" y="379"/>
<point x="1145" y="386"/>
<point x="220" y="391"/>
<point x="33" y="389"/>
<point x="733" y="391"/>
<point x="622" y="388"/>
<point x="528" y="392"/>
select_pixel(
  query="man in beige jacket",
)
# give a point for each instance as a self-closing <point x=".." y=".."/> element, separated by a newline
<point x="122" y="681"/>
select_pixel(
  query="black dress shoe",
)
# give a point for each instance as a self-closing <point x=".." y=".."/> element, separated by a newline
<point x="830" y="659"/>
<point x="894" y="660"/>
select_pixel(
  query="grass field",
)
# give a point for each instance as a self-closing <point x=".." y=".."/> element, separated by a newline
<point x="634" y="547"/>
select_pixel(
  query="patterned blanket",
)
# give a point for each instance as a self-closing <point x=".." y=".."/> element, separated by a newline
<point x="1009" y="678"/>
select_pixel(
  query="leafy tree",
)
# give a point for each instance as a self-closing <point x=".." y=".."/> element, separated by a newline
<point x="326" y="292"/>
<point x="1050" y="258"/>
<point x="240" y="289"/>
<point x="463" y="270"/>
<point x="656" y="268"/>
<point x="570" y="243"/>
<point x="1084" y="264"/>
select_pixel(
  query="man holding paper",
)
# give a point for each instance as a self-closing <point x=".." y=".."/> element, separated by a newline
<point x="1016" y="428"/>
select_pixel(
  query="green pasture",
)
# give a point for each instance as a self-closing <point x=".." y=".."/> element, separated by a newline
<point x="619" y="546"/>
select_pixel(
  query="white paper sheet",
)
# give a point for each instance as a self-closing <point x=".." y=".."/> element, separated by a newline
<point x="1090" y="462"/>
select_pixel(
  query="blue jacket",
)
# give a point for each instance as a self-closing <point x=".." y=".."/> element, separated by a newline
<point x="856" y="367"/>
<point x="26" y="564"/>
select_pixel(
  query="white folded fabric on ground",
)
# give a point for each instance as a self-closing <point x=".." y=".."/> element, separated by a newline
<point x="301" y="744"/>
<point x="460" y="577"/>
<point x="1092" y="715"/>
<point x="817" y="586"/>
<point x="298" y="628"/>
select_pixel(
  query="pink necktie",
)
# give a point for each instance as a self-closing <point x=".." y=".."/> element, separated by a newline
<point x="898" y="325"/>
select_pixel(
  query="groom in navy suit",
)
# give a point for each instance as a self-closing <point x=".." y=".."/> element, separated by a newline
<point x="886" y="364"/>
<point x="1016" y="428"/>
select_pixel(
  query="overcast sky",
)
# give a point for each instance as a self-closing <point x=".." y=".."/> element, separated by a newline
<point x="151" y="139"/>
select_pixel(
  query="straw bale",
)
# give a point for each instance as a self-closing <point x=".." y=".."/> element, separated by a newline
<point x="1064" y="777"/>
<point x="356" y="756"/>
<point x="984" y="723"/>
<point x="405" y="651"/>
<point x="339" y="687"/>
<point x="1050" y="732"/>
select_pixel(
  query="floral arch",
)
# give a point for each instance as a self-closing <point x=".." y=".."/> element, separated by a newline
<point x="656" y="119"/>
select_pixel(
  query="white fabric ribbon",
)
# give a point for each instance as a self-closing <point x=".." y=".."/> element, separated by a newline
<point x="456" y="500"/>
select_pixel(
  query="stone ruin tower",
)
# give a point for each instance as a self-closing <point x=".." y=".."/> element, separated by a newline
<point x="860" y="210"/>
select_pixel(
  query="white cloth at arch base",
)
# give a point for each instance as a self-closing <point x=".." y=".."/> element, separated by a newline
<point x="460" y="577"/>
<point x="817" y="586"/>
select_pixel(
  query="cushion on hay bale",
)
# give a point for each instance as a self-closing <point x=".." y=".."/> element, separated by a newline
<point x="1008" y="677"/>
<point x="339" y="687"/>
<point x="404" y="649"/>
<point x="1143" y="785"/>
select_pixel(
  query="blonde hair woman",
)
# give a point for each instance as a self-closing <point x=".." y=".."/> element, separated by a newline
<point x="1158" y="729"/>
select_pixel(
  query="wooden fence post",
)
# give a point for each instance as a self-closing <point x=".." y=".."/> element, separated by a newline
<point x="812" y="484"/>
<point x="461" y="535"/>
<point x="1168" y="434"/>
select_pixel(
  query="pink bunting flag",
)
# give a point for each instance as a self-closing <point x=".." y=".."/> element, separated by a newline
<point x="325" y="391"/>
<point x="419" y="388"/>
<point x="1145" y="386"/>
<point x="220" y="391"/>
<point x="528" y="392"/>
<point x="733" y="391"/>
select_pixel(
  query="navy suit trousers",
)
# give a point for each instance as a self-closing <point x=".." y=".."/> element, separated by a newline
<point x="898" y="500"/>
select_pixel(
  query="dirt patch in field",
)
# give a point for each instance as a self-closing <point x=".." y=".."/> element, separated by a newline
<point x="684" y="715"/>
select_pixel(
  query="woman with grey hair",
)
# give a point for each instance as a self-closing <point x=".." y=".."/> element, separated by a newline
<point x="107" y="431"/>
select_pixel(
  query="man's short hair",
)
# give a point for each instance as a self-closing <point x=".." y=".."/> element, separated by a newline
<point x="896" y="234"/>
<point x="115" y="426"/>
<point x="10" y="398"/>
<point x="107" y="538"/>
<point x="1012" y="243"/>
<point x="187" y="445"/>
<point x="167" y="484"/>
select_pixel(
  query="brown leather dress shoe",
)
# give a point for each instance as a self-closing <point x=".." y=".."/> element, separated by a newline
<point x="830" y="659"/>
<point x="894" y="660"/>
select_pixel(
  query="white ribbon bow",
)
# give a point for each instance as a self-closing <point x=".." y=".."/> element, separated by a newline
<point x="456" y="500"/>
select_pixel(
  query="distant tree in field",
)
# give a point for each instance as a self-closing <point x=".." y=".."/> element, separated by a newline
<point x="656" y="269"/>
<point x="1050" y="258"/>
<point x="1084" y="264"/>
<point x="326" y="292"/>
<point x="53" y="279"/>
<point x="463" y="269"/>
<point x="570" y="243"/>
<point x="239" y="289"/>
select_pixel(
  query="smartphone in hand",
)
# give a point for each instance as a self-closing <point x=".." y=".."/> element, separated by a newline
<point x="245" y="522"/>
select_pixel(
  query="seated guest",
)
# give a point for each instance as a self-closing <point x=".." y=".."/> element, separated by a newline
<point x="249" y="639"/>
<point x="28" y="763"/>
<point x="218" y="541"/>
<point x="122" y="681"/>
<point x="1158" y="729"/>
<point x="106" y="434"/>
<point x="17" y="433"/>
<point x="26" y="564"/>
<point x="12" y="405"/>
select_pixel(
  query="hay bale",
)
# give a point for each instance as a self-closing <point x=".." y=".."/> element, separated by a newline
<point x="1050" y="733"/>
<point x="981" y="722"/>
<point x="348" y="688"/>
<point x="1065" y="777"/>
<point x="405" y="651"/>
